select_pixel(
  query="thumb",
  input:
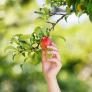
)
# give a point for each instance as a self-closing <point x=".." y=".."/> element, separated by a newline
<point x="44" y="56"/>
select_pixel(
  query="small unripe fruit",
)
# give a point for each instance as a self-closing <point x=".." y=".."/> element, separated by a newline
<point x="79" y="7"/>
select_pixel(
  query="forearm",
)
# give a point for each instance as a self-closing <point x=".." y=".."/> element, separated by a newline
<point x="53" y="85"/>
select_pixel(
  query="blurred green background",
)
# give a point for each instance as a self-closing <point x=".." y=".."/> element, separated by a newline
<point x="17" y="16"/>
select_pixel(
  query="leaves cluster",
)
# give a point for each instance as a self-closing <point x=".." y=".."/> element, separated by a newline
<point x="76" y="6"/>
<point x="28" y="45"/>
<point x="31" y="44"/>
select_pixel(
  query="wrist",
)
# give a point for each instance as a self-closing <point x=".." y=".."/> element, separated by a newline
<point x="51" y="79"/>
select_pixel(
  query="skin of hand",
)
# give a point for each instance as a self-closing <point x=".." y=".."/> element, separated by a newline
<point x="51" y="67"/>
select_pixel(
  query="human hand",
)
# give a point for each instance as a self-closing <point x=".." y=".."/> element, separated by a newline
<point x="51" y="66"/>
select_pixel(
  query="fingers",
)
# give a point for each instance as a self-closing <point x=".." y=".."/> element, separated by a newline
<point x="55" y="54"/>
<point x="53" y="44"/>
<point x="54" y="60"/>
<point x="52" y="47"/>
<point x="44" y="52"/>
<point x="53" y="51"/>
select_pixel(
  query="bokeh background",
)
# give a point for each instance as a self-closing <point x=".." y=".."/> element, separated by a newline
<point x="17" y="16"/>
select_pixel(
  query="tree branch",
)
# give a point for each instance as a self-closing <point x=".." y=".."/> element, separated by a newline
<point x="50" y="13"/>
<point x="54" y="24"/>
<point x="56" y="13"/>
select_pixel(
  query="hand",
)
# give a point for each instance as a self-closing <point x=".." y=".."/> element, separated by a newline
<point x="51" y="66"/>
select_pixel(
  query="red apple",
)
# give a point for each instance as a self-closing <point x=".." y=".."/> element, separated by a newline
<point x="45" y="41"/>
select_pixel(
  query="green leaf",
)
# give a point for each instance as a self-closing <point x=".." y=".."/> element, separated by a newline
<point x="59" y="36"/>
<point x="14" y="40"/>
<point x="37" y="30"/>
<point x="89" y="8"/>
<point x="23" y="53"/>
<point x="13" y="57"/>
<point x="36" y="58"/>
<point x="68" y="9"/>
<point x="47" y="32"/>
<point x="90" y="17"/>
<point x="34" y="45"/>
<point x="48" y="1"/>
<point x="66" y="17"/>
<point x="8" y="48"/>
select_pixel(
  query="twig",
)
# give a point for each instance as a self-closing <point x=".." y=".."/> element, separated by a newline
<point x="56" y="13"/>
<point x="50" y="22"/>
<point x="50" y="13"/>
<point x="38" y="12"/>
<point x="54" y="24"/>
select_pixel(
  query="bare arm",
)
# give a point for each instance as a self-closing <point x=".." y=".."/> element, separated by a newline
<point x="53" y="85"/>
<point x="51" y="68"/>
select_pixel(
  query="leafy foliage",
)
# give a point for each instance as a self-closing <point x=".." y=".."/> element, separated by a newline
<point x="31" y="44"/>
<point x="28" y="45"/>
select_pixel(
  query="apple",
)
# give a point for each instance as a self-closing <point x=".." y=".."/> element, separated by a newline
<point x="45" y="41"/>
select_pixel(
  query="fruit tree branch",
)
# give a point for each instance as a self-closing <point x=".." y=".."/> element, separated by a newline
<point x="54" y="24"/>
